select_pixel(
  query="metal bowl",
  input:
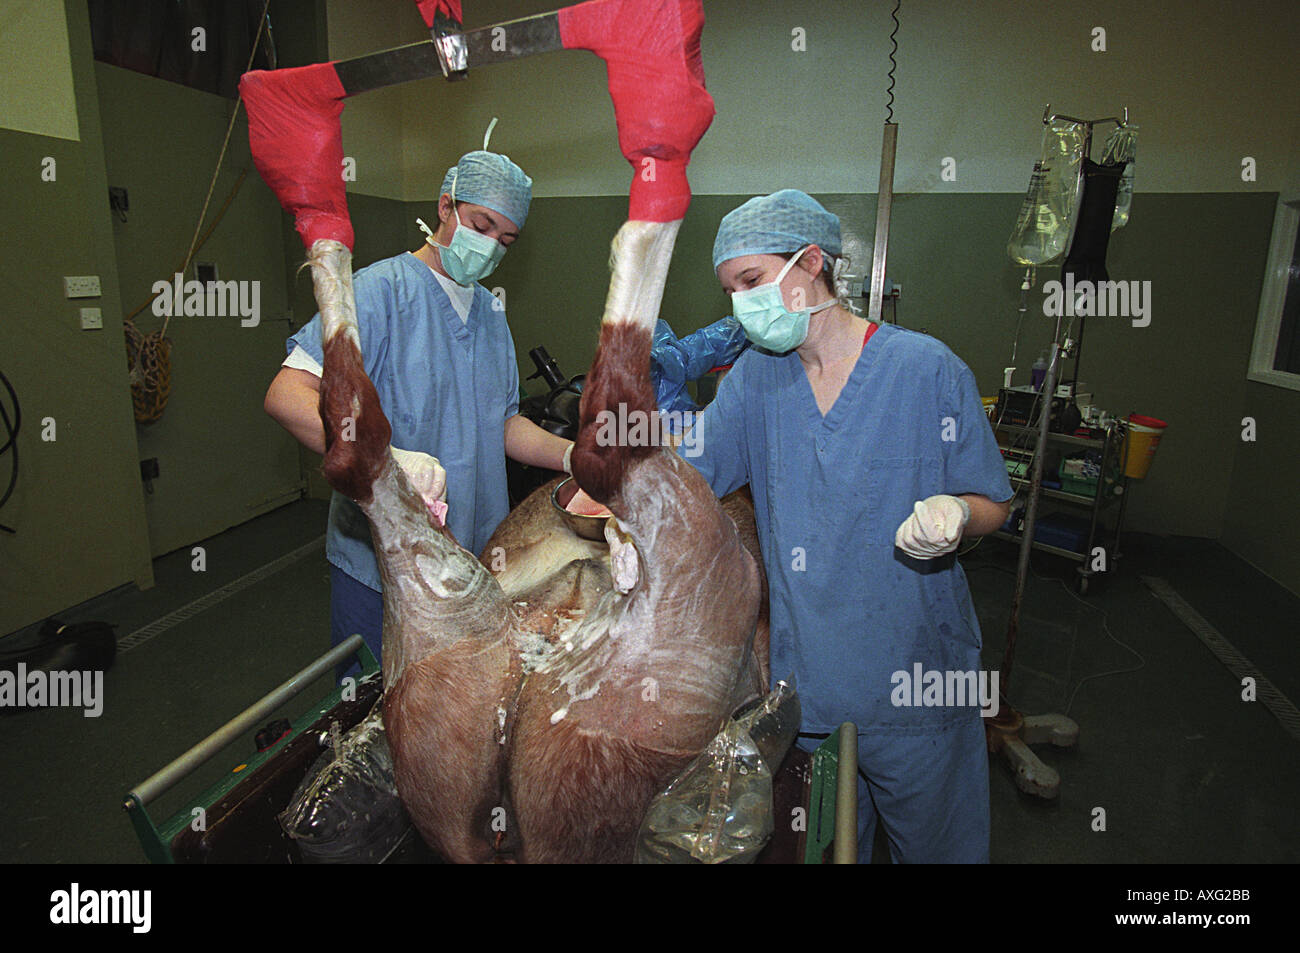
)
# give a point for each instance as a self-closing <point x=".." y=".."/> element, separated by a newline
<point x="588" y="527"/>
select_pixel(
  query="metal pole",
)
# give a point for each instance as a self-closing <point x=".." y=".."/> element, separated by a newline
<point x="1031" y="508"/>
<point x="846" y="797"/>
<point x="191" y="760"/>
<point x="885" y="204"/>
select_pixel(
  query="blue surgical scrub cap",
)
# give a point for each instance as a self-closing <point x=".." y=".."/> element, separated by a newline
<point x="493" y="181"/>
<point x="782" y="222"/>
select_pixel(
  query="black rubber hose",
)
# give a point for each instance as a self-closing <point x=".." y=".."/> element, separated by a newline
<point x="11" y="440"/>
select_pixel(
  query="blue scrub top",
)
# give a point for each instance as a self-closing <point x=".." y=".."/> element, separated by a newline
<point x="847" y="608"/>
<point x="448" y="388"/>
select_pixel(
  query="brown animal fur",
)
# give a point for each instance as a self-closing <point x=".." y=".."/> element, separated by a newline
<point x="622" y="691"/>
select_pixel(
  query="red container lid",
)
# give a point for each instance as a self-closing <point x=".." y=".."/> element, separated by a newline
<point x="1142" y="421"/>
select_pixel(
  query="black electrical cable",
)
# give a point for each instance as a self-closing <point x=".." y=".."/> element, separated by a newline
<point x="889" y="106"/>
<point x="11" y="429"/>
<point x="11" y="441"/>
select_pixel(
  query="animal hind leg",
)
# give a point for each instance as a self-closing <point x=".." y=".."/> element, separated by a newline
<point x="618" y="387"/>
<point x="357" y="432"/>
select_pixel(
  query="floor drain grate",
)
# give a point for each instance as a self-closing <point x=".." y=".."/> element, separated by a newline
<point x="1236" y="663"/>
<point x="190" y="610"/>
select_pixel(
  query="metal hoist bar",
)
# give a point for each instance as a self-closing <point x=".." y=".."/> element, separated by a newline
<point x="483" y="47"/>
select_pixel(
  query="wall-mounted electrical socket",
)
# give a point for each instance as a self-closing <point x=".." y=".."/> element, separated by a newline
<point x="119" y="201"/>
<point x="81" y="286"/>
<point x="92" y="319"/>
<point x="861" y="288"/>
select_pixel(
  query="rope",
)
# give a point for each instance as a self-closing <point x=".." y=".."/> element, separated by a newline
<point x="234" y="114"/>
<point x="148" y="361"/>
<point x="148" y="356"/>
<point x="234" y="190"/>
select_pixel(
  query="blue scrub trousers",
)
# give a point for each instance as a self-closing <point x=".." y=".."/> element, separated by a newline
<point x="929" y="791"/>
<point x="355" y="609"/>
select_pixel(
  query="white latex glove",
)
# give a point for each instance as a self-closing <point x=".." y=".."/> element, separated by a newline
<point x="934" y="528"/>
<point x="427" y="477"/>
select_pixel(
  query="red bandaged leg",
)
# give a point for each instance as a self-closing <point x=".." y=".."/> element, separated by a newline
<point x="431" y="8"/>
<point x="651" y="50"/>
<point x="297" y="145"/>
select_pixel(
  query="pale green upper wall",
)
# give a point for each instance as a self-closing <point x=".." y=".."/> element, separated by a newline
<point x="36" y="95"/>
<point x="374" y="124"/>
<point x="1207" y="82"/>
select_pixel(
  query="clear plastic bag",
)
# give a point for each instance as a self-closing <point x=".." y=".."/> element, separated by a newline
<point x="346" y="810"/>
<point x="719" y="810"/>
<point x="1043" y="226"/>
<point x="1121" y="146"/>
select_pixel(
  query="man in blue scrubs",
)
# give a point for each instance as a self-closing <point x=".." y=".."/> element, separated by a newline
<point x="436" y="345"/>
<point x="869" y="457"/>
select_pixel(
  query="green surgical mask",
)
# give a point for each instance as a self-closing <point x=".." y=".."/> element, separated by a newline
<point x="762" y="313"/>
<point x="471" y="256"/>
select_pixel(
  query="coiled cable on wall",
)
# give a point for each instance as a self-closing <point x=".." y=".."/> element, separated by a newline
<point x="11" y="442"/>
<point x="893" y="63"/>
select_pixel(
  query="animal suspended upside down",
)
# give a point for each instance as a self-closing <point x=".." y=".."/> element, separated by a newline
<point x="539" y="693"/>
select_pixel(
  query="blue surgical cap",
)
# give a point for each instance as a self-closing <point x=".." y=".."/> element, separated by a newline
<point x="493" y="181"/>
<point x="773" y="224"/>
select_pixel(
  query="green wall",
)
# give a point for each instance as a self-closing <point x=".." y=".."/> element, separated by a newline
<point x="222" y="460"/>
<point x="1211" y="89"/>
<point x="969" y="90"/>
<point x="1208" y="82"/>
<point x="1205" y="95"/>
<point x="1188" y="367"/>
<point x="37" y="95"/>
<point x="78" y="507"/>
<point x="1262" y="511"/>
<point x="84" y="523"/>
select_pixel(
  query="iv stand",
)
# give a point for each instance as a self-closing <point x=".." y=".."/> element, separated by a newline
<point x="1121" y="121"/>
<point x="1009" y="731"/>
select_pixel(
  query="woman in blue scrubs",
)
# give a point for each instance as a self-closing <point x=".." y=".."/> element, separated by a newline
<point x="869" y="458"/>
<point x="436" y="345"/>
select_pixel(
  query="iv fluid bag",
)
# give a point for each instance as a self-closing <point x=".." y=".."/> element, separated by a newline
<point x="1121" y="146"/>
<point x="1043" y="226"/>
